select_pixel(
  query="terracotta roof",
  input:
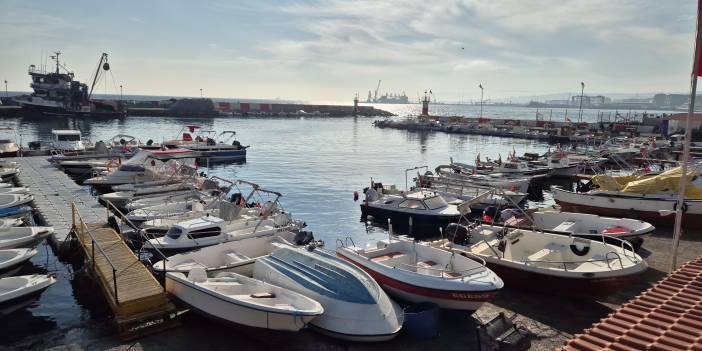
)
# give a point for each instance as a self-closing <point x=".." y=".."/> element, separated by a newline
<point x="668" y="316"/>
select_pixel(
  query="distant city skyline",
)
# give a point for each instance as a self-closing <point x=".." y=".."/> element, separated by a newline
<point x="331" y="50"/>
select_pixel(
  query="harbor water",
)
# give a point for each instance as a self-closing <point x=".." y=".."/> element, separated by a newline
<point x="316" y="163"/>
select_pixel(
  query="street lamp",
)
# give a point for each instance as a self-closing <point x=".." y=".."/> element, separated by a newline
<point x="200" y="92"/>
<point x="481" y="99"/>
<point x="120" y="94"/>
<point x="6" y="95"/>
<point x="582" y="91"/>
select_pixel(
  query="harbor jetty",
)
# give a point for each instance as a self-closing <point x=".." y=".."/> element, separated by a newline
<point x="535" y="129"/>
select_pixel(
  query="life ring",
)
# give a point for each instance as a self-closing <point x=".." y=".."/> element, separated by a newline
<point x="684" y="206"/>
<point x="579" y="252"/>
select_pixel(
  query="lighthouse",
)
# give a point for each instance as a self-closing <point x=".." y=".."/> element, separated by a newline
<point x="355" y="104"/>
<point x="425" y="105"/>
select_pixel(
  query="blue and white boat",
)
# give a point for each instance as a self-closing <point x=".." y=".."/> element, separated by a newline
<point x="355" y="307"/>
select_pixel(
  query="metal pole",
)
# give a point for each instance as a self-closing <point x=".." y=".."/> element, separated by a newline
<point x="582" y="92"/>
<point x="200" y="92"/>
<point x="481" y="100"/>
<point x="6" y="95"/>
<point x="686" y="151"/>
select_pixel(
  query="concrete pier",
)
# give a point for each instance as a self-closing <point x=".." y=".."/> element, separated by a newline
<point x="53" y="193"/>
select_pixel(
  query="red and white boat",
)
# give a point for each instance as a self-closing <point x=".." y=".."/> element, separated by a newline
<point x="418" y="272"/>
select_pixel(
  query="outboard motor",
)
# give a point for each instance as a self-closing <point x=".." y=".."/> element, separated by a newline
<point x="34" y="145"/>
<point x="149" y="142"/>
<point x="303" y="237"/>
<point x="236" y="198"/>
<point x="457" y="233"/>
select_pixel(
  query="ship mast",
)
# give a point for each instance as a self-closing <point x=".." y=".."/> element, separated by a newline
<point x="56" y="58"/>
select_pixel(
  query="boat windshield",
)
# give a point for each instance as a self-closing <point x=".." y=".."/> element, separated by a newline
<point x="68" y="137"/>
<point x="413" y="204"/>
<point x="435" y="202"/>
<point x="132" y="168"/>
<point x="174" y="233"/>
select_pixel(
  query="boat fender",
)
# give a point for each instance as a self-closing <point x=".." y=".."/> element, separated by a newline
<point x="684" y="207"/>
<point x="355" y="196"/>
<point x="579" y="251"/>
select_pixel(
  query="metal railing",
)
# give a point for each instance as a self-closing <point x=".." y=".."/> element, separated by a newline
<point x="80" y="229"/>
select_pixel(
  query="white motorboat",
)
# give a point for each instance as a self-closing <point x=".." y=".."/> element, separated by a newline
<point x="121" y="198"/>
<point x="418" y="272"/>
<point x="500" y="181"/>
<point x="548" y="262"/>
<point x="14" y="190"/>
<point x="355" y="307"/>
<point x="165" y="201"/>
<point x="238" y="255"/>
<point x="13" y="289"/>
<point x="7" y="173"/>
<point x="82" y="167"/>
<point x="427" y="210"/>
<point x="14" y="200"/>
<point x="243" y="300"/>
<point x="453" y="188"/>
<point x="18" y="237"/>
<point x="209" y="144"/>
<point x="67" y="140"/>
<point x="175" y="207"/>
<point x="8" y="147"/>
<point x="148" y="167"/>
<point x="208" y="231"/>
<point x="11" y="260"/>
<point x="581" y="223"/>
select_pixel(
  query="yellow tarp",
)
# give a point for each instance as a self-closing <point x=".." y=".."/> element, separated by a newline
<point x="667" y="181"/>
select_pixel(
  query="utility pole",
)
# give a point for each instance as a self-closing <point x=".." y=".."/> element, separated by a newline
<point x="582" y="92"/>
<point x="481" y="99"/>
<point x="6" y="95"/>
<point x="121" y="98"/>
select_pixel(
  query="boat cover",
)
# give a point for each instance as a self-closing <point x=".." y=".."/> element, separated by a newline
<point x="667" y="181"/>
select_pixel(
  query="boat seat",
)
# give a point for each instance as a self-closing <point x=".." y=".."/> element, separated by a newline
<point x="426" y="264"/>
<point x="542" y="254"/>
<point x="539" y="255"/>
<point x="566" y="226"/>
<point x="387" y="256"/>
<point x="233" y="257"/>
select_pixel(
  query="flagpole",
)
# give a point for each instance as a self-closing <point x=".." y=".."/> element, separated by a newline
<point x="686" y="148"/>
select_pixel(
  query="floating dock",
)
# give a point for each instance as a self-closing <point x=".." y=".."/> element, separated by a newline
<point x="54" y="191"/>
<point x="137" y="299"/>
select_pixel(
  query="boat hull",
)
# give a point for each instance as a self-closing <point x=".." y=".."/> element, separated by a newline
<point x="447" y="299"/>
<point x="522" y="279"/>
<point x="629" y="207"/>
<point x="423" y="226"/>
<point x="211" y="305"/>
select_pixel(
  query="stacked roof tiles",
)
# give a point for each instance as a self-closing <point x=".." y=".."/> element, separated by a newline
<point x="667" y="316"/>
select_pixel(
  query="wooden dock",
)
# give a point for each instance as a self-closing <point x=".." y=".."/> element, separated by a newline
<point x="137" y="299"/>
<point x="54" y="191"/>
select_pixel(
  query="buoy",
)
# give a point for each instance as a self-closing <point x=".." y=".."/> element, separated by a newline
<point x="355" y="196"/>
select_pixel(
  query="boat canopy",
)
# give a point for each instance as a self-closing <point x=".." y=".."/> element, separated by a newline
<point x="667" y="181"/>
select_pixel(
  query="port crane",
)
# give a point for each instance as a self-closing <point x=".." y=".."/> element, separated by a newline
<point x="376" y="90"/>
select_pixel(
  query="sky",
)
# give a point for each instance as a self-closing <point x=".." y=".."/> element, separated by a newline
<point x="328" y="50"/>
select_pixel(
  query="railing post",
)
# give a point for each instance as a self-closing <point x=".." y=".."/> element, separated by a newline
<point x="73" y="216"/>
<point x="92" y="247"/>
<point x="114" y="279"/>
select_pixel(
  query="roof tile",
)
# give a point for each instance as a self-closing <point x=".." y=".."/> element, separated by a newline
<point x="666" y="317"/>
